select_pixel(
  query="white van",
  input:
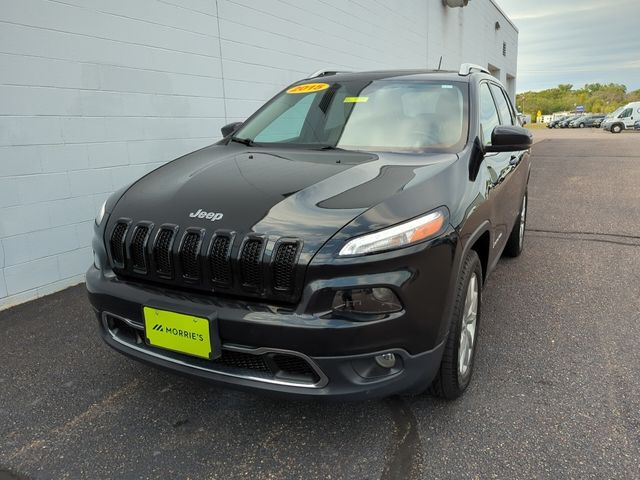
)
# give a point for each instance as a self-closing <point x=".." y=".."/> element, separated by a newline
<point x="623" y="118"/>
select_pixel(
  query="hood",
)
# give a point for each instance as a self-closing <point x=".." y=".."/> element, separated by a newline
<point x="306" y="194"/>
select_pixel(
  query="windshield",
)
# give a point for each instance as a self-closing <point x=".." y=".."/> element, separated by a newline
<point x="615" y="113"/>
<point x="383" y="115"/>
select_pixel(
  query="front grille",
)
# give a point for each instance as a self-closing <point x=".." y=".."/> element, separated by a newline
<point x="194" y="259"/>
<point x="162" y="253"/>
<point x="138" y="244"/>
<point x="251" y="264"/>
<point x="116" y="243"/>
<point x="283" y="267"/>
<point x="189" y="253"/>
<point x="219" y="260"/>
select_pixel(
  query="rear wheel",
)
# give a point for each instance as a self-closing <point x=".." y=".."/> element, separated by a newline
<point x="456" y="367"/>
<point x="617" y="128"/>
<point x="515" y="244"/>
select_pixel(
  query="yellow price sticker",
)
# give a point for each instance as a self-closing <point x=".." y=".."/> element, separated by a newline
<point x="356" y="99"/>
<point x="308" y="88"/>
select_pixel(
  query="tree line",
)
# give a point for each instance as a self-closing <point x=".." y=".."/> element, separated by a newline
<point x="595" y="97"/>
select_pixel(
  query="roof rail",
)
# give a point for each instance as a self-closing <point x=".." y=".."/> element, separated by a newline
<point x="466" y="68"/>
<point x="322" y="73"/>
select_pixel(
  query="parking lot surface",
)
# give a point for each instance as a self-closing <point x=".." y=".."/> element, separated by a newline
<point x="556" y="391"/>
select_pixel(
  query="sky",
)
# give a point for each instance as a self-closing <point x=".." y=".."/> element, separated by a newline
<point x="576" y="41"/>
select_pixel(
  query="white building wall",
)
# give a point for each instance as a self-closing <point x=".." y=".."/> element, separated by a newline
<point x="95" y="93"/>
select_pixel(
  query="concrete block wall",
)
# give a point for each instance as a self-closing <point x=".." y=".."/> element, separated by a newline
<point x="95" y="93"/>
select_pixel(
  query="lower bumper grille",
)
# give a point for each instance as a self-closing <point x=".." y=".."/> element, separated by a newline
<point x="259" y="364"/>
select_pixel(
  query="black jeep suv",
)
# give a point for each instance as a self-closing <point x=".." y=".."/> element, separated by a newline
<point x="334" y="244"/>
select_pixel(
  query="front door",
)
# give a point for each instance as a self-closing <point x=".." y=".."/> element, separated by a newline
<point x="498" y="167"/>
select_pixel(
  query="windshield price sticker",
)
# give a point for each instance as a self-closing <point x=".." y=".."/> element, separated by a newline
<point x="308" y="88"/>
<point x="355" y="99"/>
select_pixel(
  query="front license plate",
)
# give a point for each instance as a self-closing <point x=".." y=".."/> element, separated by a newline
<point x="178" y="332"/>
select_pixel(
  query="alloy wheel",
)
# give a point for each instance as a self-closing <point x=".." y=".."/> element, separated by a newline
<point x="523" y="220"/>
<point x="469" y="323"/>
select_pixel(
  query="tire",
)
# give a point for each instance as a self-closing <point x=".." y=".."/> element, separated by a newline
<point x="581" y="125"/>
<point x="515" y="243"/>
<point x="617" y="128"/>
<point x="454" y="374"/>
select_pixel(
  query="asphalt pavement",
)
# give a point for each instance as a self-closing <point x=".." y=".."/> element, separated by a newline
<point x="555" y="394"/>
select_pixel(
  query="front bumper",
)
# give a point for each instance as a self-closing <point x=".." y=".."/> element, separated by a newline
<point x="334" y="356"/>
<point x="351" y="377"/>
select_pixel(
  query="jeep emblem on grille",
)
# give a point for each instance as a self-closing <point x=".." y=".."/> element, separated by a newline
<point x="213" y="216"/>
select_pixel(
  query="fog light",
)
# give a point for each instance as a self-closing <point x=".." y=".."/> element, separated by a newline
<point x="366" y="301"/>
<point x="386" y="360"/>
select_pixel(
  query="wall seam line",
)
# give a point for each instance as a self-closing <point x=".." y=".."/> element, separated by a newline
<point x="224" y="93"/>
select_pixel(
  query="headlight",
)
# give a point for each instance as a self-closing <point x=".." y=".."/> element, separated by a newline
<point x="402" y="235"/>
<point x="100" y="215"/>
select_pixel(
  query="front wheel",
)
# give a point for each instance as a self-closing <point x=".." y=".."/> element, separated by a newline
<point x="456" y="367"/>
<point x="617" y="128"/>
<point x="582" y="125"/>
<point x="515" y="244"/>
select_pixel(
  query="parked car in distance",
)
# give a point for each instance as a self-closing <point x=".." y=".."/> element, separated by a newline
<point x="565" y="123"/>
<point x="554" y="123"/>
<point x="587" y="121"/>
<point x="623" y="118"/>
<point x="575" y="122"/>
<point x="597" y="120"/>
<point x="335" y="244"/>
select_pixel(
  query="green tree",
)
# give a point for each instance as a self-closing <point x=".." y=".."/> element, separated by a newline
<point x="596" y="97"/>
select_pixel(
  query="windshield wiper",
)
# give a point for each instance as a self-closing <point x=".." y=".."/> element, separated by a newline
<point x="245" y="141"/>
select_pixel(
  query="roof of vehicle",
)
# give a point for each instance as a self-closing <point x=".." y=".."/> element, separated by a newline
<point x="423" y="74"/>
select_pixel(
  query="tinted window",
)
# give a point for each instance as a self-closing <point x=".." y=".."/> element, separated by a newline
<point x="488" y="113"/>
<point x="506" y="116"/>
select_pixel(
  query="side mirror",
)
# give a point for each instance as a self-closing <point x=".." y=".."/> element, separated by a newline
<point x="509" y="138"/>
<point x="230" y="128"/>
